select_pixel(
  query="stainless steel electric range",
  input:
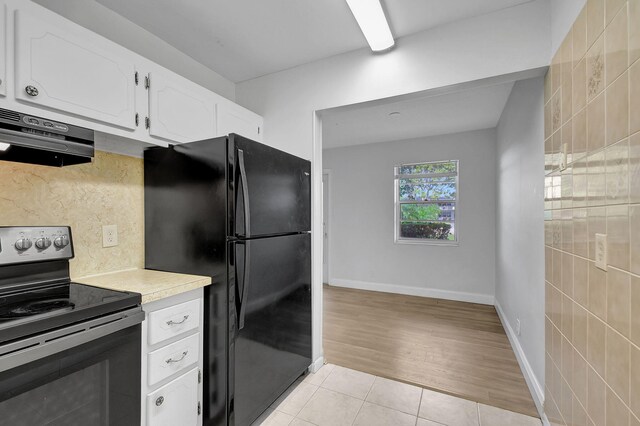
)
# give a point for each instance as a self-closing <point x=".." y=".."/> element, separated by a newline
<point x="69" y="352"/>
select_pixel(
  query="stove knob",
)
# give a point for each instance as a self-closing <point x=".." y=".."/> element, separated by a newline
<point x="43" y="243"/>
<point x="23" y="244"/>
<point x="61" y="242"/>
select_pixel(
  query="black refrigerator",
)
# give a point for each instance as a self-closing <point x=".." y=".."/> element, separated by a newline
<point x="240" y="212"/>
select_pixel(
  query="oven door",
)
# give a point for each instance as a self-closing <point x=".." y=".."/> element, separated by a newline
<point x="85" y="374"/>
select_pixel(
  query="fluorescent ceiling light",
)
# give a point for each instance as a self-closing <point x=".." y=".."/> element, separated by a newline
<point x="373" y="23"/>
<point x="4" y="146"/>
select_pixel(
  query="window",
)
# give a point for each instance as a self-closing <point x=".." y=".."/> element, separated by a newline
<point x="426" y="195"/>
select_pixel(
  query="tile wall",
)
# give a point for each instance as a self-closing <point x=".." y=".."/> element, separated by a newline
<point x="592" y="112"/>
<point x="108" y="191"/>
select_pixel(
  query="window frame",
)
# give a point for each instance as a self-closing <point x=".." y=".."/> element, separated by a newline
<point x="397" y="204"/>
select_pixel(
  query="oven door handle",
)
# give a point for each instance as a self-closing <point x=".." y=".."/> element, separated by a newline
<point x="37" y="347"/>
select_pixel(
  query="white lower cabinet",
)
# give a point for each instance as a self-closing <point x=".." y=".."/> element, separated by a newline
<point x="173" y="404"/>
<point x="172" y="334"/>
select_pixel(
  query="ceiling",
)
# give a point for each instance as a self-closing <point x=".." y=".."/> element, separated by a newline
<point x="453" y="112"/>
<point x="244" y="39"/>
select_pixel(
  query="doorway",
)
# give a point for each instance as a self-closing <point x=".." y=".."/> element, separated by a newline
<point x="415" y="311"/>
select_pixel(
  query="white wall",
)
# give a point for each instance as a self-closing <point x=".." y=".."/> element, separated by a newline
<point x="498" y="43"/>
<point x="362" y="249"/>
<point x="519" y="226"/>
<point x="107" y="23"/>
<point x="563" y="14"/>
<point x="508" y="41"/>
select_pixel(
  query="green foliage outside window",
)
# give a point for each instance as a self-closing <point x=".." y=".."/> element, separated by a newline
<point x="427" y="194"/>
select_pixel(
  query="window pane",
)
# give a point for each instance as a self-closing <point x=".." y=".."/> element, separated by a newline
<point x="427" y="168"/>
<point x="427" y="212"/>
<point x="427" y="230"/>
<point x="427" y="189"/>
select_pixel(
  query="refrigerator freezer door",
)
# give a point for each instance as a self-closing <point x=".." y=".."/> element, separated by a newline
<point x="271" y="190"/>
<point x="272" y="299"/>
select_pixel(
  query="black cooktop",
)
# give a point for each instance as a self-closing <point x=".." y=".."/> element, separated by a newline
<point x="38" y="309"/>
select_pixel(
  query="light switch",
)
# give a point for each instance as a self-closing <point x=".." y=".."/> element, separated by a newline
<point x="601" y="251"/>
<point x="563" y="156"/>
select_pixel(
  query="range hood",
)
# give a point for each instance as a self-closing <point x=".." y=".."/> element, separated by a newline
<point x="29" y="139"/>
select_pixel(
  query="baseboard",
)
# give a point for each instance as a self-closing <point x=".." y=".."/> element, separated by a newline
<point x="527" y="371"/>
<point x="484" y="299"/>
<point x="315" y="365"/>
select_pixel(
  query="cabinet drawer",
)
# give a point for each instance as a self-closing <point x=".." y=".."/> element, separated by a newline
<point x="173" y="358"/>
<point x="172" y="321"/>
<point x="176" y="403"/>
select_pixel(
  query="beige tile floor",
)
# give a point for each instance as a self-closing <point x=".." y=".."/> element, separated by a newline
<point x="336" y="396"/>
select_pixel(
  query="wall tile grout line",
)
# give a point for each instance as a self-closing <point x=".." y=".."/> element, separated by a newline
<point x="586" y="361"/>
<point x="596" y="316"/>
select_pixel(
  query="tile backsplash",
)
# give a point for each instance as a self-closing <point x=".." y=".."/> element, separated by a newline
<point x="108" y="191"/>
<point x="592" y="316"/>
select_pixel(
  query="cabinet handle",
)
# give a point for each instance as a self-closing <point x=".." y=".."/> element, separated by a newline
<point x="172" y="322"/>
<point x="159" y="400"/>
<point x="31" y="90"/>
<point x="171" y="360"/>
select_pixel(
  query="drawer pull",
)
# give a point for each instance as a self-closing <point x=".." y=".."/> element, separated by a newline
<point x="172" y="322"/>
<point x="159" y="401"/>
<point x="171" y="360"/>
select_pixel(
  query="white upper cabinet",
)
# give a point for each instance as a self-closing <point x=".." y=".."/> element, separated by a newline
<point x="232" y="118"/>
<point x="3" y="50"/>
<point x="179" y="110"/>
<point x="72" y="70"/>
<point x="54" y="68"/>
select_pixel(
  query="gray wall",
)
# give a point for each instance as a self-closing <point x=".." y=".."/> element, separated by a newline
<point x="118" y="29"/>
<point x="519" y="223"/>
<point x="362" y="249"/>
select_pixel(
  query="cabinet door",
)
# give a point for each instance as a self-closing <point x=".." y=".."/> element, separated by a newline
<point x="176" y="403"/>
<point x="232" y="118"/>
<point x="3" y="50"/>
<point x="72" y="70"/>
<point x="180" y="111"/>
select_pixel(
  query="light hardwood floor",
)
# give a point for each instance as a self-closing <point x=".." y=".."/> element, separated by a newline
<point x="453" y="347"/>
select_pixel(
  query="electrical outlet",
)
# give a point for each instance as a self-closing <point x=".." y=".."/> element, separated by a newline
<point x="109" y="235"/>
<point x="601" y="251"/>
<point x="518" y="326"/>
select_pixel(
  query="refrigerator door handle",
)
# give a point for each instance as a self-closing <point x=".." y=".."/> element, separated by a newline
<point x="245" y="285"/>
<point x="245" y="194"/>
